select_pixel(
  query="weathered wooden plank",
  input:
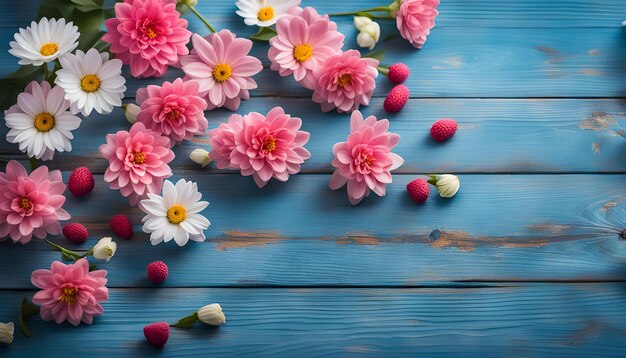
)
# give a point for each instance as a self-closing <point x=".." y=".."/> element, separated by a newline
<point x="534" y="62"/>
<point x="531" y="320"/>
<point x="495" y="136"/>
<point x="498" y="228"/>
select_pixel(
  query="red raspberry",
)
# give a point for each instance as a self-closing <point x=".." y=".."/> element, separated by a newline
<point x="396" y="99"/>
<point x="418" y="190"/>
<point x="121" y="226"/>
<point x="443" y="129"/>
<point x="80" y="182"/>
<point x="157" y="333"/>
<point x="75" y="232"/>
<point x="157" y="271"/>
<point x="398" y="73"/>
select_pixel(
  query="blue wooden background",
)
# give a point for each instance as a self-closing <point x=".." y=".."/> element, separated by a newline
<point x="525" y="261"/>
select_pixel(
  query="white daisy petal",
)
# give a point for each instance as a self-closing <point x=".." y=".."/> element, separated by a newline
<point x="264" y="13"/>
<point x="91" y="82"/>
<point x="44" y="41"/>
<point x="175" y="215"/>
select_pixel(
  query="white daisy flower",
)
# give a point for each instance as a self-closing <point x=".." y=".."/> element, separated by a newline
<point x="175" y="215"/>
<point x="91" y="81"/>
<point x="44" y="41"/>
<point x="264" y="13"/>
<point x="41" y="122"/>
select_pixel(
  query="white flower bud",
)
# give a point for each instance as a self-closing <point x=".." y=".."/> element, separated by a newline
<point x="6" y="332"/>
<point x="212" y="315"/>
<point x="200" y="156"/>
<point x="369" y="35"/>
<point x="131" y="111"/>
<point x="104" y="249"/>
<point x="448" y="185"/>
<point x="360" y="21"/>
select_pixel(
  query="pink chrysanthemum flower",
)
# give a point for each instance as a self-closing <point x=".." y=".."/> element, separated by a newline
<point x="174" y="110"/>
<point x="30" y="204"/>
<point x="303" y="42"/>
<point x="221" y="66"/>
<point x="365" y="160"/>
<point x="148" y="35"/>
<point x="345" y="81"/>
<point x="138" y="161"/>
<point x="70" y="292"/>
<point x="265" y="147"/>
<point x="415" y="19"/>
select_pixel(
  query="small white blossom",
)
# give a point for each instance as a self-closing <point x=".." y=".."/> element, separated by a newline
<point x="361" y="21"/>
<point x="212" y="315"/>
<point x="6" y="332"/>
<point x="104" y="249"/>
<point x="369" y="32"/>
<point x="448" y="185"/>
<point x="131" y="111"/>
<point x="200" y="156"/>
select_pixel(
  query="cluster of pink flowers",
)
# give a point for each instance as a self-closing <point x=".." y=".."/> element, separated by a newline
<point x="364" y="161"/>
<point x="265" y="147"/>
<point x="308" y="46"/>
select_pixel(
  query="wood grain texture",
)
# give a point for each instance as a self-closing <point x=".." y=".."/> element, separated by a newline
<point x="529" y="320"/>
<point x="495" y="136"/>
<point x="498" y="228"/>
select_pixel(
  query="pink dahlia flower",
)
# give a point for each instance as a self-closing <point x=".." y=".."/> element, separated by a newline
<point x="221" y="66"/>
<point x="31" y="204"/>
<point x="303" y="42"/>
<point x="345" y="81"/>
<point x="70" y="292"/>
<point x="148" y="35"/>
<point x="265" y="147"/>
<point x="138" y="161"/>
<point x="415" y="18"/>
<point x="365" y="160"/>
<point x="174" y="110"/>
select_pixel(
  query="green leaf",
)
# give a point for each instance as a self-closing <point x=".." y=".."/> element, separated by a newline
<point x="93" y="268"/>
<point x="89" y="25"/>
<point x="378" y="54"/>
<point x="186" y="322"/>
<point x="87" y="5"/>
<point x="264" y="34"/>
<point x="27" y="310"/>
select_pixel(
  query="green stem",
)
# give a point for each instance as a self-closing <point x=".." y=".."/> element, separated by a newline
<point x="64" y="250"/>
<point x="45" y="71"/>
<point x="384" y="70"/>
<point x="4" y="160"/>
<point x="33" y="163"/>
<point x="193" y="9"/>
<point x="361" y="12"/>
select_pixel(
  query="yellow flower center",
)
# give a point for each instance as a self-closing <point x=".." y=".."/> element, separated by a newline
<point x="25" y="204"/>
<point x="43" y="122"/>
<point x="49" y="49"/>
<point x="344" y="80"/>
<point x="69" y="295"/>
<point x="172" y="115"/>
<point x="270" y="144"/>
<point x="302" y="52"/>
<point x="265" y="14"/>
<point x="90" y="83"/>
<point x="139" y="158"/>
<point x="176" y="214"/>
<point x="222" y="72"/>
<point x="150" y="33"/>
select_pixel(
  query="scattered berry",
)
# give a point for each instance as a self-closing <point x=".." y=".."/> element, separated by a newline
<point x="121" y="226"/>
<point x="443" y="129"/>
<point x="418" y="190"/>
<point x="75" y="232"/>
<point x="80" y="182"/>
<point x="157" y="333"/>
<point x="398" y="73"/>
<point x="396" y="99"/>
<point x="157" y="271"/>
